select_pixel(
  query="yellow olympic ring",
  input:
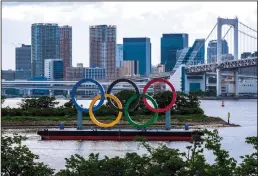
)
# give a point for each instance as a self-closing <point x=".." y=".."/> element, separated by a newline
<point x="105" y="125"/>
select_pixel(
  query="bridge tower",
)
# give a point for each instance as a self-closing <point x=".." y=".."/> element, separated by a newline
<point x="220" y="23"/>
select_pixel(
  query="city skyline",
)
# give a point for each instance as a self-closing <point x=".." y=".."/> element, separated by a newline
<point x="148" y="22"/>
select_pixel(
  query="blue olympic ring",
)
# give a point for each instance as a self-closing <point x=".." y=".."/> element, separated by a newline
<point x="102" y="93"/>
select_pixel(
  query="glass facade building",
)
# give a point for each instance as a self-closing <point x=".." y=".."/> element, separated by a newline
<point x="23" y="62"/>
<point x="119" y="55"/>
<point x="95" y="73"/>
<point x="170" y="44"/>
<point x="196" y="53"/>
<point x="193" y="55"/>
<point x="212" y="50"/>
<point x="54" y="69"/>
<point x="138" y="49"/>
<point x="44" y="45"/>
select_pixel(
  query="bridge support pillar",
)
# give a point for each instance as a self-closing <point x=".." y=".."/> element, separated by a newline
<point x="236" y="83"/>
<point x="218" y="87"/>
<point x="79" y="119"/>
<point x="168" y="119"/>
<point x="68" y="93"/>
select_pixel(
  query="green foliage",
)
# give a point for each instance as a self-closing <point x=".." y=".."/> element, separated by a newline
<point x="2" y="99"/>
<point x="69" y="104"/>
<point x="17" y="159"/>
<point x="224" y="164"/>
<point x="44" y="106"/>
<point x="249" y="166"/>
<point x="38" y="112"/>
<point x="124" y="95"/>
<point x="163" y="161"/>
<point x="160" y="161"/>
<point x="41" y="102"/>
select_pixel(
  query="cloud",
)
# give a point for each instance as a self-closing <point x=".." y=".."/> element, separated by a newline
<point x="133" y="19"/>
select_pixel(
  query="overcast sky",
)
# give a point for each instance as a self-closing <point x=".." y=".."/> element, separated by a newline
<point x="133" y="19"/>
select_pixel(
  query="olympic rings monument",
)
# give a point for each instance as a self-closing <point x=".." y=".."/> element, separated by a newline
<point x="105" y="132"/>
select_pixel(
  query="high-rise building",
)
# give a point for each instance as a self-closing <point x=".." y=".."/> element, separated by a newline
<point x="138" y="49"/>
<point x="198" y="52"/>
<point x="212" y="50"/>
<point x="119" y="55"/>
<point x="103" y="48"/>
<point x="95" y="73"/>
<point x="44" y="45"/>
<point x="65" y="46"/>
<point x="193" y="55"/>
<point x="54" y="69"/>
<point x="23" y="62"/>
<point x="170" y="44"/>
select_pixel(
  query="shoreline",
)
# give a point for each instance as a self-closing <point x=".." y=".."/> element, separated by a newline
<point x="227" y="98"/>
<point x="200" y="98"/>
<point x="193" y="124"/>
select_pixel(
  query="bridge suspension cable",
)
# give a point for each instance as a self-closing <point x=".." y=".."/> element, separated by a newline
<point x="190" y="61"/>
<point x="247" y="26"/>
<point x="227" y="32"/>
<point x="208" y="38"/>
<point x="247" y="34"/>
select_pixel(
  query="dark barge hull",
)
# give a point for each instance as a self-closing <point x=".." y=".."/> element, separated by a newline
<point x="120" y="135"/>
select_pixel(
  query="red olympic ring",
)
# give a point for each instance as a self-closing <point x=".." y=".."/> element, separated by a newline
<point x="171" y="104"/>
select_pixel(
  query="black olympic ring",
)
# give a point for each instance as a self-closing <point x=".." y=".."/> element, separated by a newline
<point x="135" y="87"/>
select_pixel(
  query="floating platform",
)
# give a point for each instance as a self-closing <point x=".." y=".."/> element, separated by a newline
<point x="119" y="134"/>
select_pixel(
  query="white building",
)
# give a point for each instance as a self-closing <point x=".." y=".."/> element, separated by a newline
<point x="245" y="87"/>
<point x="53" y="69"/>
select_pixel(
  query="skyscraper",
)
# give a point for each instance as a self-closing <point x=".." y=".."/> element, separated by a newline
<point x="193" y="55"/>
<point x="23" y="62"/>
<point x="65" y="46"/>
<point x="138" y="49"/>
<point x="212" y="50"/>
<point x="170" y="44"/>
<point x="103" y="48"/>
<point x="119" y="55"/>
<point x="44" y="45"/>
<point x="197" y="52"/>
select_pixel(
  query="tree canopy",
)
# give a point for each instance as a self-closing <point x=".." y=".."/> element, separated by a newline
<point x="161" y="161"/>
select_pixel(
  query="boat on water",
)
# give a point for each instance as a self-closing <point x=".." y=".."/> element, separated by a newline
<point x="120" y="134"/>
